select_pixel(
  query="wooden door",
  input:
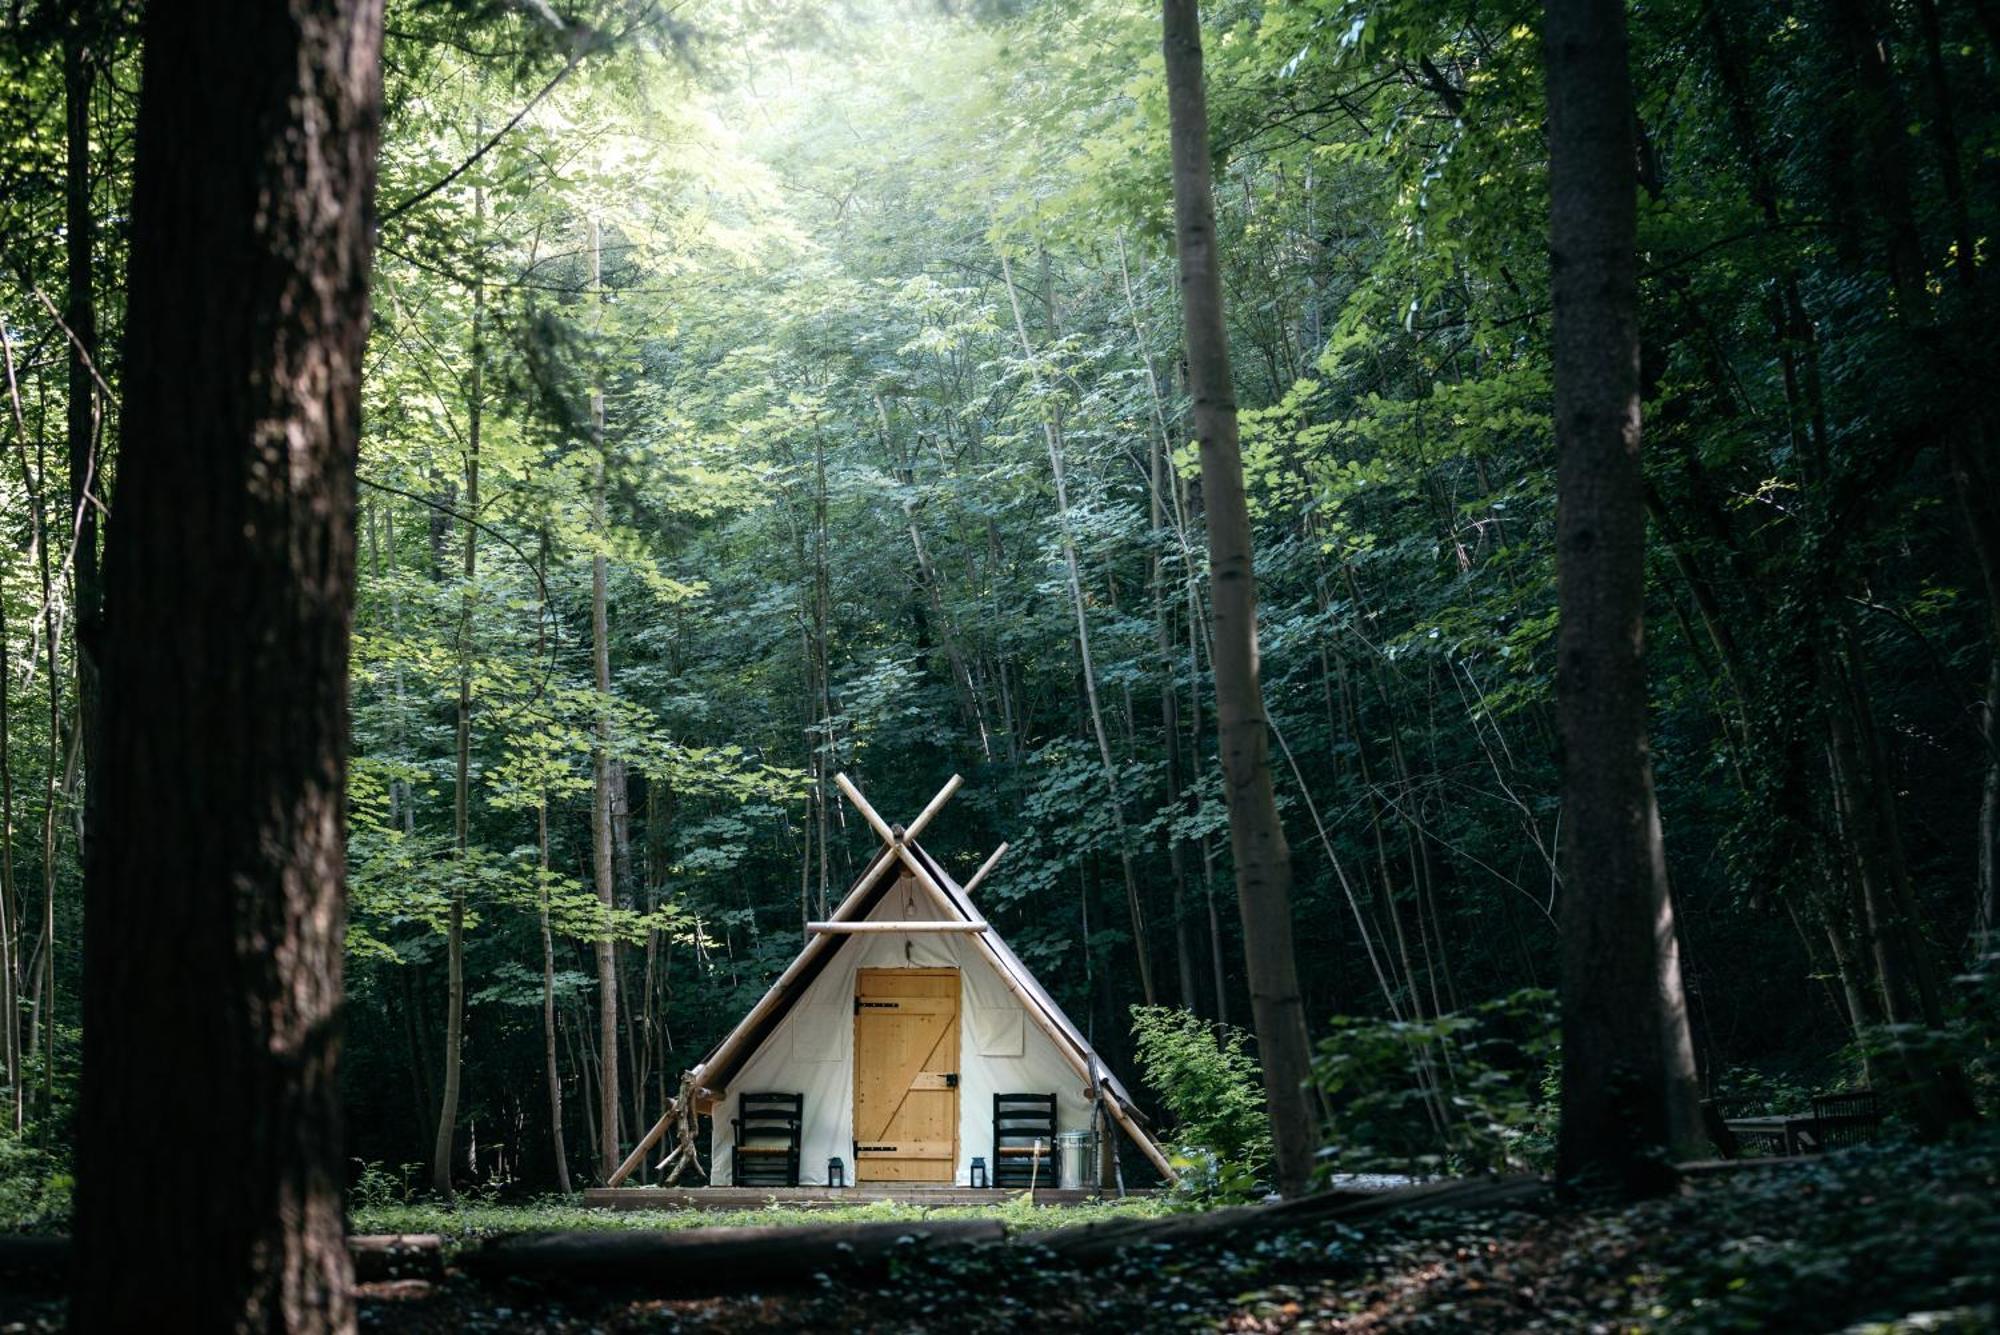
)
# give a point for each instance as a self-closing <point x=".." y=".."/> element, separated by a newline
<point x="905" y="1075"/>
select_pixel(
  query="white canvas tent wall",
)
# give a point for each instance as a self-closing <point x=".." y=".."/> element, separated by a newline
<point x="1013" y="1037"/>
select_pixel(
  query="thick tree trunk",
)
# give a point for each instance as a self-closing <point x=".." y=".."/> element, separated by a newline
<point x="1628" y="1087"/>
<point x="1256" y="837"/>
<point x="212" y="974"/>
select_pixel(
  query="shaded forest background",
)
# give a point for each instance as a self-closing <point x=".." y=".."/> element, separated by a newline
<point x="842" y="345"/>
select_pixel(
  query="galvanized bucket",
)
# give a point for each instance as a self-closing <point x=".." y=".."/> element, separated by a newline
<point x="1076" y="1154"/>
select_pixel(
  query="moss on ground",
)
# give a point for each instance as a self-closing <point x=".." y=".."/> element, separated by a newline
<point x="470" y="1221"/>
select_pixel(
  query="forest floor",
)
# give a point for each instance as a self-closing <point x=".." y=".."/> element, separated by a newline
<point x="1883" y="1239"/>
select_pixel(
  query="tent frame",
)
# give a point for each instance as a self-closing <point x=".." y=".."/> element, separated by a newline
<point x="898" y="846"/>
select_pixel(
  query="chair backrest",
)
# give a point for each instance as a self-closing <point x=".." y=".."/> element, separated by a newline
<point x="768" y="1112"/>
<point x="1850" y="1103"/>
<point x="1019" y="1120"/>
<point x="1853" y="1117"/>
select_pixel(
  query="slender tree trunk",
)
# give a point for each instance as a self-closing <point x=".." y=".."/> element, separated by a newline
<point x="42" y="1004"/>
<point x="551" y="1070"/>
<point x="461" y="808"/>
<point x="927" y="576"/>
<point x="1628" y="1079"/>
<point x="81" y="422"/>
<point x="10" y="900"/>
<point x="600" y="809"/>
<point x="1158" y="484"/>
<point x="212" y="953"/>
<point x="1256" y="837"/>
<point x="1052" y="437"/>
<point x="1987" y="917"/>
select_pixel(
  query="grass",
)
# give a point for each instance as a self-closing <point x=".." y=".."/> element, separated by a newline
<point x="471" y="1221"/>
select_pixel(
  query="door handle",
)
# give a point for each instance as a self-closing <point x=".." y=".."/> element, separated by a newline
<point x="951" y="1079"/>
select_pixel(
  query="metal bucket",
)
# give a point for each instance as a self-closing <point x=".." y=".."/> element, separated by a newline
<point x="1076" y="1157"/>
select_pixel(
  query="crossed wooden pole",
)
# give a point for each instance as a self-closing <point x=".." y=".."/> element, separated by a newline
<point x="1084" y="1063"/>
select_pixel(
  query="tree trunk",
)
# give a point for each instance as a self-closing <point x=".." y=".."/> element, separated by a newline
<point x="1986" y="915"/>
<point x="212" y="974"/>
<point x="552" y="1072"/>
<point x="1052" y="437"/>
<point x="10" y="902"/>
<point x="461" y="809"/>
<point x="1256" y="837"/>
<point x="1158" y="481"/>
<point x="80" y="315"/>
<point x="1628" y="1086"/>
<point x="600" y="808"/>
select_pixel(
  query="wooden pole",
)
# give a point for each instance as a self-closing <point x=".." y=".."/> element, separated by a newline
<point x="650" y="1139"/>
<point x="1083" y="1063"/>
<point x="916" y="826"/>
<point x="984" y="867"/>
<point x="868" y="812"/>
<point x="852" y="928"/>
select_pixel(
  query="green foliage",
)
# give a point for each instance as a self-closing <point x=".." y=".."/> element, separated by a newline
<point x="1213" y="1088"/>
<point x="35" y="1186"/>
<point x="1448" y="1094"/>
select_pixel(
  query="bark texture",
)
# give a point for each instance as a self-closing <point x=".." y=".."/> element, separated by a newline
<point x="209" y="1131"/>
<point x="1256" y="837"/>
<point x="1628" y="1089"/>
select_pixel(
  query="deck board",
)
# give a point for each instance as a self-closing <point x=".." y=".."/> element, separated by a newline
<point x="756" y="1198"/>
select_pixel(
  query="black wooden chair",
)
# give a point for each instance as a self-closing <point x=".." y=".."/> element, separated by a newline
<point x="768" y="1129"/>
<point x="1024" y="1140"/>
<point x="1839" y="1120"/>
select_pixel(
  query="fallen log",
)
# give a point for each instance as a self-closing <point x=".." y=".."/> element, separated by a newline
<point x="30" y="1263"/>
<point x="707" y="1261"/>
<point x="379" y="1257"/>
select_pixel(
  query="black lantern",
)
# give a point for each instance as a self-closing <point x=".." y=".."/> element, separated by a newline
<point x="836" y="1172"/>
<point x="979" y="1172"/>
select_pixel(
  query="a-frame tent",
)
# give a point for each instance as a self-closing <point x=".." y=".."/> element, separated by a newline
<point x="904" y="919"/>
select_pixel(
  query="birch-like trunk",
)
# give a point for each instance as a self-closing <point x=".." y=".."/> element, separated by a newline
<point x="1052" y="438"/>
<point x="461" y="805"/>
<point x="600" y="807"/>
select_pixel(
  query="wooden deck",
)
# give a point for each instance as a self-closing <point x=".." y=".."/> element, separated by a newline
<point x="807" y="1198"/>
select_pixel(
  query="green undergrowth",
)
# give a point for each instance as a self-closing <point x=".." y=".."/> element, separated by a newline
<point x="470" y="1221"/>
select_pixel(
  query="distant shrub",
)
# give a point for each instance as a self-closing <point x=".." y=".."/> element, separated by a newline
<point x="1467" y="1092"/>
<point x="35" y="1187"/>
<point x="1213" y="1088"/>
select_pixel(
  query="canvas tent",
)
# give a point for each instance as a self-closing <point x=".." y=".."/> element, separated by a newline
<point x="900" y="1019"/>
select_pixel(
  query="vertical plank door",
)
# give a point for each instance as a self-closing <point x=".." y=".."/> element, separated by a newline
<point x="905" y="1075"/>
